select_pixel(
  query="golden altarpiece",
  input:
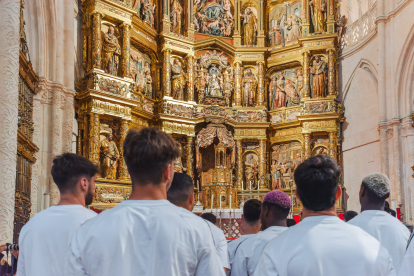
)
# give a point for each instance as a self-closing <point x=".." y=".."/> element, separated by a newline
<point x="248" y="89"/>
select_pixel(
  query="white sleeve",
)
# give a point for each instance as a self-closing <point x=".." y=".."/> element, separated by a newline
<point x="222" y="252"/>
<point x="208" y="260"/>
<point x="407" y="265"/>
<point x="21" y="270"/>
<point x="265" y="267"/>
<point x="73" y="265"/>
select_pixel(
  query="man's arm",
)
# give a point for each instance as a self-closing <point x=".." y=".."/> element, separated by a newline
<point x="265" y="267"/>
<point x="74" y="265"/>
<point x="208" y="261"/>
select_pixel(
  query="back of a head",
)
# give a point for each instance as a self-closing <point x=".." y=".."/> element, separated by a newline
<point x="251" y="211"/>
<point x="180" y="190"/>
<point x="210" y="217"/>
<point x="317" y="180"/>
<point x="290" y="222"/>
<point x="69" y="168"/>
<point x="348" y="215"/>
<point x="377" y="187"/>
<point x="278" y="203"/>
<point x="147" y="152"/>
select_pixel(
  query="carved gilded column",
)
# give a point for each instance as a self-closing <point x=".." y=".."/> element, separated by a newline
<point x="306" y="88"/>
<point x="125" y="50"/>
<point x="239" y="164"/>
<point x="331" y="17"/>
<point x="190" y="143"/>
<point x="332" y="145"/>
<point x="305" y="18"/>
<point x="306" y="146"/>
<point x="238" y="81"/>
<point x="94" y="126"/>
<point x="123" y="170"/>
<point x="167" y="72"/>
<point x="331" y="72"/>
<point x="96" y="41"/>
<point x="262" y="164"/>
<point x="190" y="72"/>
<point x="260" y="89"/>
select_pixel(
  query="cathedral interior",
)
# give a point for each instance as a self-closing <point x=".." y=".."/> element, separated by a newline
<point x="248" y="88"/>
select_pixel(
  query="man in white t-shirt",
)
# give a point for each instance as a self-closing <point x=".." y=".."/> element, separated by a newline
<point x="275" y="209"/>
<point x="252" y="225"/>
<point x="219" y="239"/>
<point x="145" y="235"/>
<point x="322" y="244"/>
<point x="407" y="265"/>
<point x="388" y="230"/>
<point x="45" y="239"/>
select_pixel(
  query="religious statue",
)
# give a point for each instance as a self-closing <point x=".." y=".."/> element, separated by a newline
<point x="277" y="93"/>
<point x="293" y="25"/>
<point x="249" y="26"/>
<point x="215" y="83"/>
<point x="276" y="34"/>
<point x="318" y="70"/>
<point x="318" y="10"/>
<point x="201" y="83"/>
<point x="228" y="84"/>
<point x="299" y="82"/>
<point x="110" y="52"/>
<point x="277" y="175"/>
<point x="148" y="11"/>
<point x="148" y="84"/>
<point x="340" y="24"/>
<point x="175" y="17"/>
<point x="249" y="88"/>
<point x="251" y="170"/>
<point x="291" y="93"/>
<point x="110" y="157"/>
<point x="178" y="81"/>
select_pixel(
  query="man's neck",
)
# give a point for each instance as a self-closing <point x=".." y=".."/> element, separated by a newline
<point x="310" y="213"/>
<point x="69" y="199"/>
<point x="250" y="230"/>
<point x="374" y="207"/>
<point x="148" y="192"/>
<point x="281" y="223"/>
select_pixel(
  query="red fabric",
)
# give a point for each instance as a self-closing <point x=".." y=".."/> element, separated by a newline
<point x="399" y="213"/>
<point x="341" y="216"/>
<point x="296" y="218"/>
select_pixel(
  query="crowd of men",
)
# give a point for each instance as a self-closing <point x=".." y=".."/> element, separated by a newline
<point x="155" y="232"/>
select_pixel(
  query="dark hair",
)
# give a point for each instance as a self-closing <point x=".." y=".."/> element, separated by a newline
<point x="181" y="188"/>
<point x="348" y="215"/>
<point x="210" y="217"/>
<point x="277" y="211"/>
<point x="147" y="152"/>
<point x="251" y="211"/>
<point x="317" y="181"/>
<point x="290" y="222"/>
<point x="69" y="168"/>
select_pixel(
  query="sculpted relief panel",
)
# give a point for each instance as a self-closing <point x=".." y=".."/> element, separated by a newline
<point x="140" y="72"/>
<point x="284" y="23"/>
<point x="214" y="17"/>
<point x="285" y="88"/>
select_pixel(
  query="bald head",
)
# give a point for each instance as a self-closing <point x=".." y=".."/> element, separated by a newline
<point x="375" y="189"/>
<point x="181" y="192"/>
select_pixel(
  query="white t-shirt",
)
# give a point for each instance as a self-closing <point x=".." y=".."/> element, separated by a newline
<point x="45" y="239"/>
<point x="388" y="230"/>
<point x="145" y="238"/>
<point x="324" y="246"/>
<point x="248" y="255"/>
<point x="220" y="242"/>
<point x="232" y="246"/>
<point x="407" y="265"/>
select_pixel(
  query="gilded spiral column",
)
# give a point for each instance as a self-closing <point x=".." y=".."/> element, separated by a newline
<point x="190" y="142"/>
<point x="190" y="72"/>
<point x="94" y="138"/>
<point x="260" y="94"/>
<point x="238" y="80"/>
<point x="239" y="164"/>
<point x="123" y="170"/>
<point x="332" y="145"/>
<point x="306" y="146"/>
<point x="167" y="72"/>
<point x="262" y="164"/>
<point x="306" y="87"/>
<point x="125" y="50"/>
<point x="96" y="41"/>
<point x="331" y="72"/>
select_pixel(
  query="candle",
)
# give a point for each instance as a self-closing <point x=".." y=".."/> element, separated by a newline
<point x="250" y="187"/>
<point x="230" y="202"/>
<point x="242" y="186"/>
<point x="198" y="186"/>
<point x="258" y="191"/>
<point x="220" y="204"/>
<point x="212" y="199"/>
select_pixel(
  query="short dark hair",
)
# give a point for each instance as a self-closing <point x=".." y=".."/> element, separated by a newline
<point x="277" y="211"/>
<point x="210" y="217"/>
<point x="251" y="211"/>
<point x="147" y="152"/>
<point x="181" y="188"/>
<point x="348" y="215"/>
<point x="69" y="168"/>
<point x="317" y="180"/>
<point x="290" y="222"/>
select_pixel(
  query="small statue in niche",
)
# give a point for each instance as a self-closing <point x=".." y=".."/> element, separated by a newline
<point x="178" y="165"/>
<point x="277" y="92"/>
<point x="318" y="10"/>
<point x="215" y="83"/>
<point x="249" y="88"/>
<point x="299" y="82"/>
<point x="110" y="157"/>
<point x="175" y="17"/>
<point x="276" y="34"/>
<point x="340" y="24"/>
<point x="148" y="11"/>
<point x="178" y="80"/>
<point x="228" y="82"/>
<point x="293" y="25"/>
<point x="318" y="70"/>
<point x="249" y="26"/>
<point x="201" y="83"/>
<point x="148" y="84"/>
<point x="277" y="175"/>
<point x="251" y="170"/>
<point x="110" y="52"/>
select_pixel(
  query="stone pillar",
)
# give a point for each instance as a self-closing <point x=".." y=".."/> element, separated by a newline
<point x="9" y="93"/>
<point x="238" y="81"/>
<point x="96" y="41"/>
<point x="190" y="143"/>
<point x="395" y="124"/>
<point x="68" y="121"/>
<point x="190" y="72"/>
<point x="123" y="170"/>
<point x="332" y="145"/>
<point x="332" y="72"/>
<point x="239" y="164"/>
<point x="262" y="164"/>
<point x="306" y="88"/>
<point x="260" y="89"/>
<point x="125" y="50"/>
<point x="94" y="132"/>
<point x="384" y="148"/>
<point x="167" y="72"/>
<point x="306" y="145"/>
<point x="57" y="98"/>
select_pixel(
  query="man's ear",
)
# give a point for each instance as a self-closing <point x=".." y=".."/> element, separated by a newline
<point x="83" y="183"/>
<point x="191" y="198"/>
<point x="168" y="172"/>
<point x="338" y="193"/>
